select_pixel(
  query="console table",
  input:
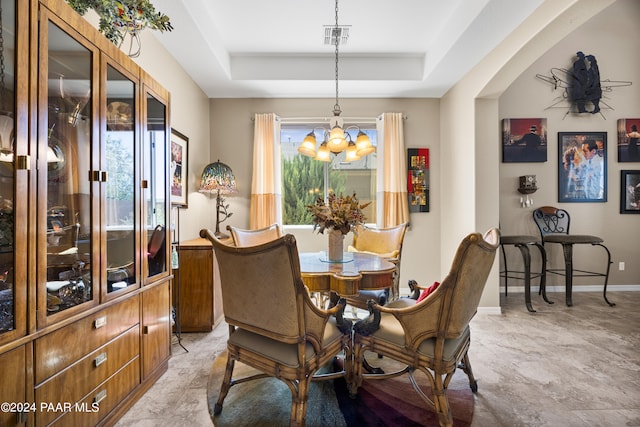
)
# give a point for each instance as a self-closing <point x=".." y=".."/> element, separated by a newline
<point x="200" y="294"/>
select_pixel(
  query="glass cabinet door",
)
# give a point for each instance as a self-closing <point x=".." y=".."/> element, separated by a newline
<point x="120" y="216"/>
<point x="12" y="297"/>
<point x="66" y="188"/>
<point x="156" y="195"/>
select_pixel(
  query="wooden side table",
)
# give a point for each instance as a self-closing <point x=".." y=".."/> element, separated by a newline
<point x="200" y="294"/>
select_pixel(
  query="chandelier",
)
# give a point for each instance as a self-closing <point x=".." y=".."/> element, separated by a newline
<point x="337" y="139"/>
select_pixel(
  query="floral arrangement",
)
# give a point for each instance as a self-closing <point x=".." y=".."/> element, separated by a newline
<point x="338" y="213"/>
<point x="117" y="17"/>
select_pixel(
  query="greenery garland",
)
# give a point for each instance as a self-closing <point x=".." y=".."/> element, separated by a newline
<point x="117" y="18"/>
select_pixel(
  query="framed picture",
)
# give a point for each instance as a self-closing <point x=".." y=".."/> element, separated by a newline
<point x="179" y="165"/>
<point x="418" y="179"/>
<point x="630" y="192"/>
<point x="524" y="140"/>
<point x="628" y="140"/>
<point x="582" y="166"/>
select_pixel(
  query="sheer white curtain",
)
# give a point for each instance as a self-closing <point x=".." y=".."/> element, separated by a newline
<point x="266" y="187"/>
<point x="392" y="198"/>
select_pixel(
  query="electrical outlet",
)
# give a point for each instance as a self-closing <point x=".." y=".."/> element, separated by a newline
<point x="621" y="266"/>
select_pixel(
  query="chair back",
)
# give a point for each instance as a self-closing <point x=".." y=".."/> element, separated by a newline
<point x="156" y="241"/>
<point x="156" y="250"/>
<point x="254" y="237"/>
<point x="551" y="220"/>
<point x="384" y="241"/>
<point x="464" y="284"/>
<point x="259" y="281"/>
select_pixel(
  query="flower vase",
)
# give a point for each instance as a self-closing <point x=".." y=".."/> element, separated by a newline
<point x="336" y="245"/>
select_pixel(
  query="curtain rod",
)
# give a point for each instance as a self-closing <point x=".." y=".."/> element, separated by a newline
<point x="327" y="119"/>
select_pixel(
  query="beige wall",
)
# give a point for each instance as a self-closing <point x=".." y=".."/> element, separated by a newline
<point x="471" y="188"/>
<point x="468" y="106"/>
<point x="232" y="143"/>
<point x="190" y="116"/>
<point x="613" y="37"/>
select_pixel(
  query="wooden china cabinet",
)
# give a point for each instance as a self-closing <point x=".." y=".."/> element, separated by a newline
<point x="84" y="204"/>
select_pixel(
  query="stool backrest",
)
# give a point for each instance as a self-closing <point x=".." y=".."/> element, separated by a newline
<point x="551" y="220"/>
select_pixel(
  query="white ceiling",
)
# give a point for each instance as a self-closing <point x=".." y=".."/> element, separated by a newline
<point x="400" y="48"/>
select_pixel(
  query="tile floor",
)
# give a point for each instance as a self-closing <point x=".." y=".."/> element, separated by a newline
<point x="562" y="366"/>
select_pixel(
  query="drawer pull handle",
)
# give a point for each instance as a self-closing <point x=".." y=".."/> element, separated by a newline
<point x="100" y="322"/>
<point x="145" y="330"/>
<point x="100" y="360"/>
<point x="102" y="395"/>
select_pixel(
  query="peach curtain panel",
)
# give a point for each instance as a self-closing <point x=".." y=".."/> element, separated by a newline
<point x="392" y="198"/>
<point x="266" y="191"/>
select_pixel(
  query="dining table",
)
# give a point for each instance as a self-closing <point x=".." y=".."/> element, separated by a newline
<point x="355" y="272"/>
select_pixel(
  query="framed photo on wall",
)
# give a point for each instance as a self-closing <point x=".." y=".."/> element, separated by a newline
<point x="418" y="179"/>
<point x="179" y="166"/>
<point x="524" y="140"/>
<point x="628" y="140"/>
<point x="582" y="166"/>
<point x="630" y="191"/>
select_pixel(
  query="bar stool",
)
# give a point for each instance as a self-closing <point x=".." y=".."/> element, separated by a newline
<point x="553" y="224"/>
<point x="523" y="242"/>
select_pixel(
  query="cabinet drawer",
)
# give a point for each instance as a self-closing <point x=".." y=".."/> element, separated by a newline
<point x="61" y="348"/>
<point x="74" y="382"/>
<point x="12" y="383"/>
<point x="97" y="404"/>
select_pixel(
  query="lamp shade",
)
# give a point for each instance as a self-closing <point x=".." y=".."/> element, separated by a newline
<point x="218" y="177"/>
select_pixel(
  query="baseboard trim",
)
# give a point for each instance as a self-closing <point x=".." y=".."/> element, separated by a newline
<point x="490" y="310"/>
<point x="576" y="288"/>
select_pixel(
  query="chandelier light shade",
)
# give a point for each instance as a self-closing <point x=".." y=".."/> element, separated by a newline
<point x="337" y="139"/>
<point x="308" y="146"/>
<point x="324" y="155"/>
<point x="218" y="178"/>
<point x="363" y="145"/>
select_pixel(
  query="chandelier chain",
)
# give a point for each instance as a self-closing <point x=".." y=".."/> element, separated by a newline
<point x="336" y="32"/>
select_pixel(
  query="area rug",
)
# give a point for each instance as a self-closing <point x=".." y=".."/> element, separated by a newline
<point x="392" y="402"/>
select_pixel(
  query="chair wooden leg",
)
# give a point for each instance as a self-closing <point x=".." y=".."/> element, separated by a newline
<point x="355" y="378"/>
<point x="442" y="403"/>
<point x="465" y="365"/>
<point x="299" y="398"/>
<point x="226" y="385"/>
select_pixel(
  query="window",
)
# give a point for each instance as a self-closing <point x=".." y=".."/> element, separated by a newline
<point x="304" y="179"/>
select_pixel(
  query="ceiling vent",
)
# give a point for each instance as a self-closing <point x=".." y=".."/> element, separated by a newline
<point x="331" y="33"/>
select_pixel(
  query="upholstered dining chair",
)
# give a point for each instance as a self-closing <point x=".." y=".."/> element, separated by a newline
<point x="243" y="237"/>
<point x="274" y="326"/>
<point x="553" y="224"/>
<point x="386" y="243"/>
<point x="431" y="336"/>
